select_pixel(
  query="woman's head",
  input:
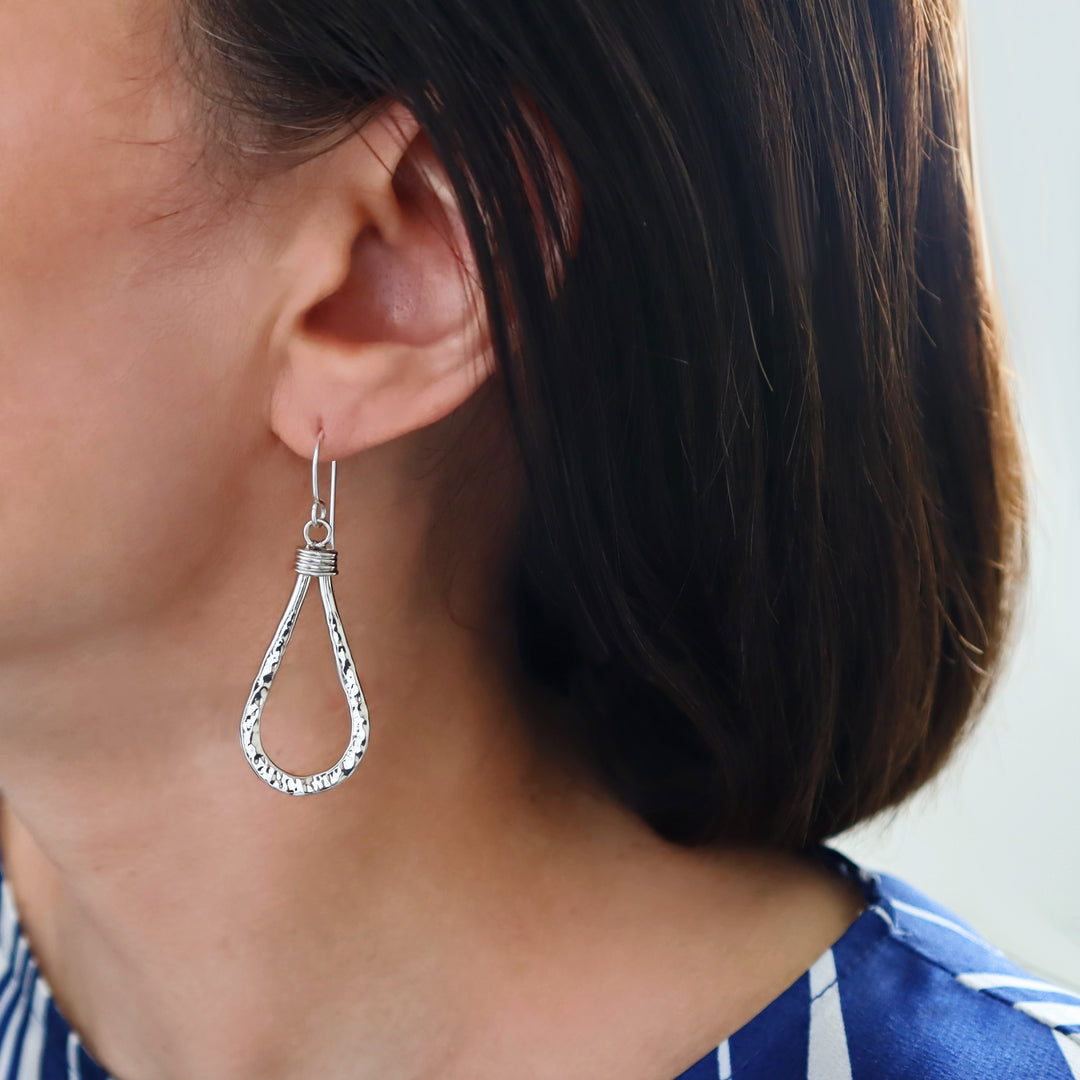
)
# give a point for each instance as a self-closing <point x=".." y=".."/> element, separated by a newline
<point x="705" y="280"/>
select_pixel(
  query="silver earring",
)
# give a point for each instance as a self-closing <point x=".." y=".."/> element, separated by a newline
<point x="316" y="559"/>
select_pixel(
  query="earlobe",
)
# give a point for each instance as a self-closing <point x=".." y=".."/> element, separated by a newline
<point x="384" y="330"/>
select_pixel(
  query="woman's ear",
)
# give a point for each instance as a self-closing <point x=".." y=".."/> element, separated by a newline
<point x="380" y="328"/>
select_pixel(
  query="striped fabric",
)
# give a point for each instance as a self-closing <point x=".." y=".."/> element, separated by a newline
<point x="909" y="992"/>
<point x="36" y="1042"/>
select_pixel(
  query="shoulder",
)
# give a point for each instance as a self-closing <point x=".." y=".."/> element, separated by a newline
<point x="927" y="996"/>
<point x="909" y="992"/>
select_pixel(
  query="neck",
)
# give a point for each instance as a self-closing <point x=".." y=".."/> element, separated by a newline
<point x="465" y="893"/>
<point x="182" y="909"/>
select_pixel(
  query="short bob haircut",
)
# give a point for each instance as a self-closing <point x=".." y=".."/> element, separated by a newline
<point x="774" y="494"/>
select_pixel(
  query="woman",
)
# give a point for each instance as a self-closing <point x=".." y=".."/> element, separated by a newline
<point x="677" y="521"/>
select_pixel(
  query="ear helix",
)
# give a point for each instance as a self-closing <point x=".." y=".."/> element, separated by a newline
<point x="317" y="558"/>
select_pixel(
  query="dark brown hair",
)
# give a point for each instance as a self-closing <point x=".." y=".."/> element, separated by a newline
<point x="775" y="506"/>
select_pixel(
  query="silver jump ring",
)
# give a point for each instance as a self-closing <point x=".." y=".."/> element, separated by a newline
<point x="326" y="541"/>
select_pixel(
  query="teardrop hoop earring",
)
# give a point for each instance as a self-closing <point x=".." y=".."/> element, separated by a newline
<point x="316" y="559"/>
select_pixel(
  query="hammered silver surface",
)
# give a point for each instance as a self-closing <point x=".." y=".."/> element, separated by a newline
<point x="250" y="733"/>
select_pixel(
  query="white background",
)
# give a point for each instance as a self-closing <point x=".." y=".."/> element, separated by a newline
<point x="997" y="838"/>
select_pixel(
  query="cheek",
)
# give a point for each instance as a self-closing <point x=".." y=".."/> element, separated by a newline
<point x="121" y="361"/>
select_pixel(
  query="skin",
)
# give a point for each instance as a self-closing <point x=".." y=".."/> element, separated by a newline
<point x="468" y="904"/>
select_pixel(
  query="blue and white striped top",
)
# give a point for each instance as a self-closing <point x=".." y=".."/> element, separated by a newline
<point x="909" y="992"/>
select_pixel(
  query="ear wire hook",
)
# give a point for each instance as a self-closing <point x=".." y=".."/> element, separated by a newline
<point x="318" y="508"/>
